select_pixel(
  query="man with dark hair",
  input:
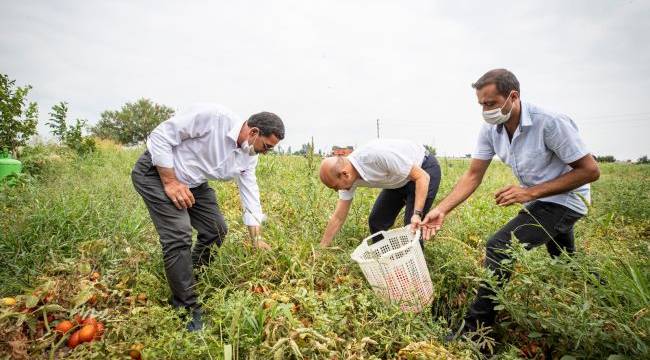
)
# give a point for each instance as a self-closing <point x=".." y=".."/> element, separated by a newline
<point x="554" y="169"/>
<point x="207" y="142"/>
<point x="408" y="175"/>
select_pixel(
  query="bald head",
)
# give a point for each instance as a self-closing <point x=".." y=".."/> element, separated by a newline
<point x="330" y="170"/>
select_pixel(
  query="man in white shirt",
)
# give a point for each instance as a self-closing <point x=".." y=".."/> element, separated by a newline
<point x="207" y="142"/>
<point x="552" y="165"/>
<point x="408" y="176"/>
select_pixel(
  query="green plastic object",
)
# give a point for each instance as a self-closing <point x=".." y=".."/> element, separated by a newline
<point x="8" y="165"/>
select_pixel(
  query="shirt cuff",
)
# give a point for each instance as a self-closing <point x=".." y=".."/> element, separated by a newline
<point x="345" y="195"/>
<point x="482" y="156"/>
<point x="579" y="154"/>
<point x="163" y="160"/>
<point x="252" y="219"/>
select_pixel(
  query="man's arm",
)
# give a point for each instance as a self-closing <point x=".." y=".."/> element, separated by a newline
<point x="421" y="179"/>
<point x="249" y="194"/>
<point x="336" y="221"/>
<point x="585" y="170"/>
<point x="465" y="186"/>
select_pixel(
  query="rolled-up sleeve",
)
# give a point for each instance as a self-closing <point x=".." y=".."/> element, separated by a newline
<point x="249" y="193"/>
<point x="484" y="149"/>
<point x="347" y="194"/>
<point x="172" y="132"/>
<point x="561" y="136"/>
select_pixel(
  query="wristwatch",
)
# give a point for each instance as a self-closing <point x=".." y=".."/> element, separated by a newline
<point x="418" y="213"/>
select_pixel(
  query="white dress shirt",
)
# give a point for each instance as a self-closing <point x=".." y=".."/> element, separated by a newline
<point x="201" y="145"/>
<point x="384" y="163"/>
<point x="541" y="148"/>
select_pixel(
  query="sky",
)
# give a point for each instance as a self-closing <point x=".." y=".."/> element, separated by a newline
<point x="330" y="69"/>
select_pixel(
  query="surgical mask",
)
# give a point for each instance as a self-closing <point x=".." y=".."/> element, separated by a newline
<point x="495" y="116"/>
<point x="248" y="148"/>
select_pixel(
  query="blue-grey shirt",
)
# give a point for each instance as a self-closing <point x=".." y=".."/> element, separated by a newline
<point x="542" y="147"/>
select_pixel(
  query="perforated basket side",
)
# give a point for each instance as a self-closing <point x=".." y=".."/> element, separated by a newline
<point x="396" y="270"/>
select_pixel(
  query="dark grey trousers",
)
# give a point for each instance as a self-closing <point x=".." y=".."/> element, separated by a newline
<point x="390" y="202"/>
<point x="545" y="223"/>
<point x="174" y="227"/>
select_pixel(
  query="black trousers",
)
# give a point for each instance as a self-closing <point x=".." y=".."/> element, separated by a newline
<point x="391" y="201"/>
<point x="556" y="233"/>
<point x="174" y="227"/>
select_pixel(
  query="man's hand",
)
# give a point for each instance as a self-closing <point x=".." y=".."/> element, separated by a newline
<point x="432" y="223"/>
<point x="261" y="244"/>
<point x="416" y="222"/>
<point x="512" y="194"/>
<point x="325" y="243"/>
<point x="255" y="232"/>
<point x="179" y="194"/>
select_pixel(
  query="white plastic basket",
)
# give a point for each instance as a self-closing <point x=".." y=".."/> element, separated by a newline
<point x="396" y="269"/>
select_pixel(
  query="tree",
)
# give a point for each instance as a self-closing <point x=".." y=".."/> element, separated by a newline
<point x="605" y="158"/>
<point x="643" y="160"/>
<point x="430" y="149"/>
<point x="133" y="122"/>
<point x="71" y="136"/>
<point x="18" y="119"/>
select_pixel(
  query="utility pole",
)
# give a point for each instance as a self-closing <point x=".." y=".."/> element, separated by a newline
<point x="377" y="128"/>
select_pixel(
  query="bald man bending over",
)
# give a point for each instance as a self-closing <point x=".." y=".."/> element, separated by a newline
<point x="409" y="176"/>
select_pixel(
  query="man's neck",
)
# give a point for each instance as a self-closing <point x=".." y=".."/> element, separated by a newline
<point x="242" y="133"/>
<point x="353" y="170"/>
<point x="513" y="122"/>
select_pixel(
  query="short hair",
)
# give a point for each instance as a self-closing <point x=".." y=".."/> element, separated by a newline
<point x="268" y="123"/>
<point x="505" y="81"/>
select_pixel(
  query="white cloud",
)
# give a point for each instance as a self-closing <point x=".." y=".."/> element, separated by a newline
<point x="330" y="69"/>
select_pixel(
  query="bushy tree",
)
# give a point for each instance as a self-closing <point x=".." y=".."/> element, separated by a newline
<point x="18" y="119"/>
<point x="133" y="122"/>
<point x="430" y="149"/>
<point x="71" y="136"/>
<point x="605" y="158"/>
<point x="643" y="160"/>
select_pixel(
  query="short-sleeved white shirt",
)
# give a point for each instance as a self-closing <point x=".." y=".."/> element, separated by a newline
<point x="384" y="163"/>
<point x="541" y="149"/>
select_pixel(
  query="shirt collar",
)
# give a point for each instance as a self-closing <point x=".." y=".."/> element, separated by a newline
<point x="233" y="133"/>
<point x="524" y="118"/>
<point x="359" y="169"/>
<point x="526" y="121"/>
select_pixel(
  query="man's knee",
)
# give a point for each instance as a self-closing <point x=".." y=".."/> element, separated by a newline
<point x="376" y="222"/>
<point x="219" y="232"/>
<point x="175" y="238"/>
<point x="495" y="249"/>
<point x="222" y="229"/>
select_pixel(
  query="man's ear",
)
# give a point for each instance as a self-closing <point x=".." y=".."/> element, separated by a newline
<point x="515" y="95"/>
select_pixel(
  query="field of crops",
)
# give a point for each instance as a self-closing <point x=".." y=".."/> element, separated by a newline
<point x="77" y="239"/>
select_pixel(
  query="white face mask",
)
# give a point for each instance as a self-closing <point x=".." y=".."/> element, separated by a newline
<point x="248" y="148"/>
<point x="495" y="116"/>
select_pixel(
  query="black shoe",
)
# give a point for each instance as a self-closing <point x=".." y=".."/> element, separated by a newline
<point x="196" y="323"/>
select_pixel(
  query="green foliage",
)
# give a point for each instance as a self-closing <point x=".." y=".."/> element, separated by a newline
<point x="38" y="159"/>
<point x="643" y="160"/>
<point x="430" y="149"/>
<point x="18" y="119"/>
<point x="564" y="304"/>
<point x="300" y="300"/>
<point x="133" y="122"/>
<point x="71" y="135"/>
<point x="605" y="158"/>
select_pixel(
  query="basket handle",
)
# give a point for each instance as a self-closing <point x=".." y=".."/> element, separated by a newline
<point x="417" y="236"/>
